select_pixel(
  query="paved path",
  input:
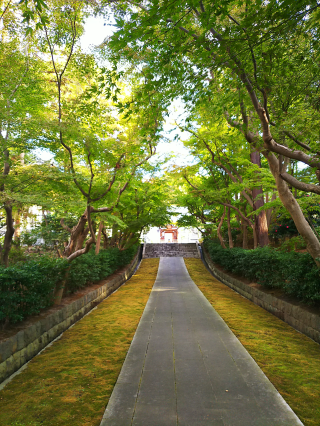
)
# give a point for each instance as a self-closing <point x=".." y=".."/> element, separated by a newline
<point x="185" y="366"/>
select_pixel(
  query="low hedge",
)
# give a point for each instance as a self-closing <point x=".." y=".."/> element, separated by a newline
<point x="295" y="273"/>
<point x="91" y="267"/>
<point x="28" y="287"/>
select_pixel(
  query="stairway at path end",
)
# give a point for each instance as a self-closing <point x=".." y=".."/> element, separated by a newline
<point x="171" y="250"/>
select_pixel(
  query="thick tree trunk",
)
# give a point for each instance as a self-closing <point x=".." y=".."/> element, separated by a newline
<point x="229" y="229"/>
<point x="261" y="227"/>
<point x="5" y="250"/>
<point x="81" y="239"/>
<point x="291" y="204"/>
<point x="77" y="235"/>
<point x="261" y="223"/>
<point x="219" y="229"/>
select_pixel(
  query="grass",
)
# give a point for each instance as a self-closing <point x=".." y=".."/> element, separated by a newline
<point x="289" y="359"/>
<point x="71" y="381"/>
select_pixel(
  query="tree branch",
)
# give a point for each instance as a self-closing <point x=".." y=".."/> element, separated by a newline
<point x="5" y="9"/>
<point x="81" y="251"/>
<point x="251" y="224"/>
<point x="273" y="146"/>
<point x="306" y="187"/>
<point x="64" y="226"/>
<point x="303" y="145"/>
<point x="92" y="233"/>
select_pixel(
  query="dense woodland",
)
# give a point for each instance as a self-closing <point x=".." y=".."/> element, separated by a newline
<point x="247" y="76"/>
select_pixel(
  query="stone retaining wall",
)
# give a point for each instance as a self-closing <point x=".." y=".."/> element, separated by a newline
<point x="299" y="318"/>
<point x="20" y="348"/>
<point x="170" y="250"/>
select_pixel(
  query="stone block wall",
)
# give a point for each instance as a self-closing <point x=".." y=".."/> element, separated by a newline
<point x="20" y="348"/>
<point x="299" y="318"/>
<point x="170" y="250"/>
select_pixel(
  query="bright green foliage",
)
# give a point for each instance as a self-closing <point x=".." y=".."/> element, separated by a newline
<point x="222" y="172"/>
<point x="293" y="272"/>
<point x="146" y="203"/>
<point x="251" y="66"/>
<point x="61" y="99"/>
<point x="50" y="231"/>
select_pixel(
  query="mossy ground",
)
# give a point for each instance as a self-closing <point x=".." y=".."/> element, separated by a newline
<point x="70" y="383"/>
<point x="289" y="359"/>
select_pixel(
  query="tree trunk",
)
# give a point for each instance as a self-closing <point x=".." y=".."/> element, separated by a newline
<point x="261" y="223"/>
<point x="99" y="237"/>
<point x="5" y="250"/>
<point x="81" y="239"/>
<point x="105" y="239"/>
<point x="261" y="228"/>
<point x="17" y="231"/>
<point x="77" y="232"/>
<point x="244" y="234"/>
<point x="229" y="229"/>
<point x="60" y="289"/>
<point x="291" y="204"/>
<point x="269" y="211"/>
<point x="219" y="229"/>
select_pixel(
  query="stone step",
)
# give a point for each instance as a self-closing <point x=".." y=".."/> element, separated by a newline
<point x="171" y="250"/>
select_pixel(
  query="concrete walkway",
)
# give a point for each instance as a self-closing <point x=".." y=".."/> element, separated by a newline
<point x="185" y="366"/>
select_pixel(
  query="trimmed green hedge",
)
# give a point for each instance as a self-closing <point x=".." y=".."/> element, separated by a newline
<point x="295" y="273"/>
<point x="28" y="287"/>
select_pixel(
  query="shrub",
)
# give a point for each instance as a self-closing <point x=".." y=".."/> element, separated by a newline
<point x="28" y="287"/>
<point x="283" y="227"/>
<point x="295" y="273"/>
<point x="90" y="268"/>
<point x="294" y="243"/>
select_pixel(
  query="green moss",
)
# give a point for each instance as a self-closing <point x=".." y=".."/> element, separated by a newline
<point x="289" y="359"/>
<point x="71" y="381"/>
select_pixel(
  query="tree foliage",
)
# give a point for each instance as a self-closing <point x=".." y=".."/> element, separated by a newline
<point x="242" y="61"/>
<point x="247" y="75"/>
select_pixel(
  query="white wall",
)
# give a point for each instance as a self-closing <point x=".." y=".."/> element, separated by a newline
<point x="185" y="235"/>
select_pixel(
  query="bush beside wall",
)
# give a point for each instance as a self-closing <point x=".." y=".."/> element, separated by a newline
<point x="27" y="288"/>
<point x="295" y="273"/>
<point x="24" y="345"/>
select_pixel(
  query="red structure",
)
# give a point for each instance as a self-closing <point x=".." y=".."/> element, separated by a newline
<point x="169" y="234"/>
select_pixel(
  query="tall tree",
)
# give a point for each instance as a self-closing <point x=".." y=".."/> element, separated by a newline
<point x="23" y="93"/>
<point x="259" y="48"/>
